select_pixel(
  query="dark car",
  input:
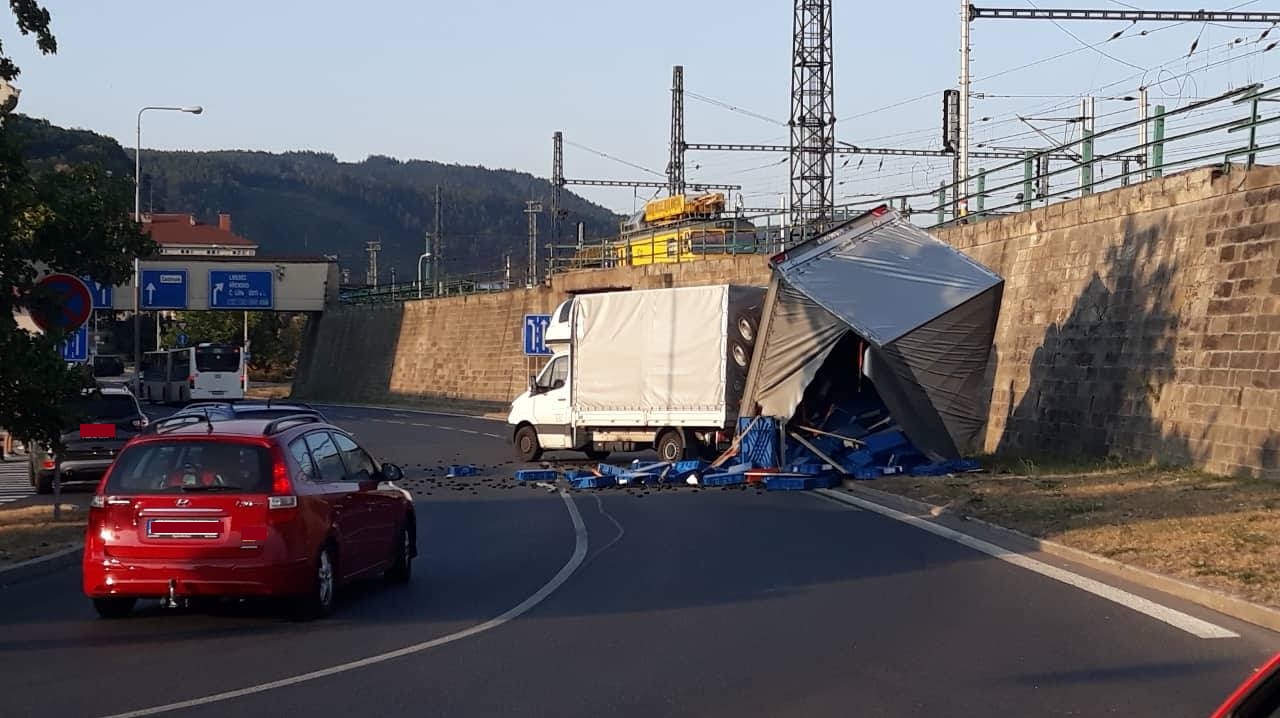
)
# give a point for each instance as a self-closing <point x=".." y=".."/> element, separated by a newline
<point x="103" y="420"/>
<point x="290" y="508"/>
<point x="227" y="410"/>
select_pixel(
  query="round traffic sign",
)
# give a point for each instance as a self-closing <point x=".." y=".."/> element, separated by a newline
<point x="72" y="306"/>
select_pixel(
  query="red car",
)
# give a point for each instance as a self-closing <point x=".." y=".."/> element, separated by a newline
<point x="1257" y="697"/>
<point x="289" y="507"/>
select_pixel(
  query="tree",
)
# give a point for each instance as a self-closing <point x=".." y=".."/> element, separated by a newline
<point x="73" y="219"/>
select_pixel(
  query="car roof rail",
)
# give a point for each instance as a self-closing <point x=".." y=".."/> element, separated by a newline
<point x="176" y="422"/>
<point x="206" y="404"/>
<point x="278" y="425"/>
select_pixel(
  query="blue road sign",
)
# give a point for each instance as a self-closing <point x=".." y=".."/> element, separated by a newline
<point x="182" y="340"/>
<point x="535" y="333"/>
<point x="164" y="289"/>
<point x="76" y="346"/>
<point x="240" y="290"/>
<point x="101" y="293"/>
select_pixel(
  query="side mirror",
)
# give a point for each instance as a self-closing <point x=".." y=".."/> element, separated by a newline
<point x="391" y="472"/>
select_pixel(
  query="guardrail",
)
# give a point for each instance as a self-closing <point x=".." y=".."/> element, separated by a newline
<point x="477" y="283"/>
<point x="1231" y="128"/>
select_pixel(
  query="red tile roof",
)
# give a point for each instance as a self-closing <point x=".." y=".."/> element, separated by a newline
<point x="184" y="230"/>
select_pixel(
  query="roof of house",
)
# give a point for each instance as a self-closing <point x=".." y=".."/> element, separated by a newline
<point x="183" y="229"/>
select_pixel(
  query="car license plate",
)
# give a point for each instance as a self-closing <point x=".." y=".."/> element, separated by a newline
<point x="184" y="528"/>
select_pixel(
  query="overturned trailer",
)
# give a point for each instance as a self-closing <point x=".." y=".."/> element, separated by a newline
<point x="879" y="320"/>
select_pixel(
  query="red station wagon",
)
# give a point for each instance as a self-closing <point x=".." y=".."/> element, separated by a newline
<point x="292" y="507"/>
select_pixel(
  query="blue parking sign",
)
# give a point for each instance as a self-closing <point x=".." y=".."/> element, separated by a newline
<point x="535" y="334"/>
<point x="75" y="348"/>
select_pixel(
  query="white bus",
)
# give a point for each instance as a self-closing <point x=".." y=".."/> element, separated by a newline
<point x="204" y="371"/>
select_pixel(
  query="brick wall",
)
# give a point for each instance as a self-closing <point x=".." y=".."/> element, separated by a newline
<point x="468" y="347"/>
<point x="1141" y="322"/>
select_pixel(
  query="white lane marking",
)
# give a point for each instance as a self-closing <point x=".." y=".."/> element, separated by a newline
<point x="1177" y="619"/>
<point x="575" y="561"/>
<point x="616" y="524"/>
<point x="418" y="411"/>
<point x="468" y="431"/>
<point x="492" y="436"/>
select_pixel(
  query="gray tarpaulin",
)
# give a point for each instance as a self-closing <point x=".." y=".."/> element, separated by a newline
<point x="927" y="311"/>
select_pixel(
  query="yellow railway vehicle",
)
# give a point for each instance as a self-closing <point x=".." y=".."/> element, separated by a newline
<point x="675" y="229"/>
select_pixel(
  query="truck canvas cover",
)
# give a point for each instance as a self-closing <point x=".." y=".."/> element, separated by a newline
<point x="926" y="311"/>
<point x="659" y="355"/>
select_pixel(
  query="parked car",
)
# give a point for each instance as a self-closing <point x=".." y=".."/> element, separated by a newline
<point x="1257" y="697"/>
<point x="290" y="507"/>
<point x="270" y="409"/>
<point x="85" y="457"/>
<point x="107" y="365"/>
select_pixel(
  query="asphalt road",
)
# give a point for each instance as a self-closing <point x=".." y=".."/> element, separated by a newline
<point x="706" y="603"/>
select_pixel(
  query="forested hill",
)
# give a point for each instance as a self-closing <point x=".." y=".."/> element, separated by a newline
<point x="310" y="203"/>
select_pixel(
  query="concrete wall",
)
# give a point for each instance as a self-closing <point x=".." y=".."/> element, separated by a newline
<point x="467" y="347"/>
<point x="1142" y="322"/>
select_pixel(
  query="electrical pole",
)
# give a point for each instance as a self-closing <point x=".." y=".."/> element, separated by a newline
<point x="372" y="248"/>
<point x="675" y="165"/>
<point x="1143" y="109"/>
<point x="531" y="209"/>
<point x="812" y="119"/>
<point x="1086" y="146"/>
<point x="961" y="193"/>
<point x="437" y="237"/>
<point x="557" y="185"/>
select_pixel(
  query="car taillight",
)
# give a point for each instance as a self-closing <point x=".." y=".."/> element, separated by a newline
<point x="140" y="423"/>
<point x="48" y="464"/>
<point x="191" y="381"/>
<point x="282" y="496"/>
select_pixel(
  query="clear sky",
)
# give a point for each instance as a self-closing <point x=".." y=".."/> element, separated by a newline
<point x="488" y="82"/>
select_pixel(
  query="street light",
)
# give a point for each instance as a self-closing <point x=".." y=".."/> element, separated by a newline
<point x="137" y="265"/>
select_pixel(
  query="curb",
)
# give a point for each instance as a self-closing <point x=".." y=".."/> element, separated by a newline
<point x="490" y="416"/>
<point x="42" y="565"/>
<point x="1227" y="605"/>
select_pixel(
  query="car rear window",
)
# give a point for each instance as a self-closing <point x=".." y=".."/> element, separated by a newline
<point x="180" y="466"/>
<point x="221" y="359"/>
<point x="103" y="408"/>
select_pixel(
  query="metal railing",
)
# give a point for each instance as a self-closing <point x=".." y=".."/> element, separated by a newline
<point x="475" y="283"/>
<point x="1211" y="131"/>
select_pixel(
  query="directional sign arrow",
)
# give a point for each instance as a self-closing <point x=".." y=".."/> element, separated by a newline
<point x="151" y="292"/>
<point x="216" y="288"/>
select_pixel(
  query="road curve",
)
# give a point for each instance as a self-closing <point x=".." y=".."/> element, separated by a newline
<point x="707" y="603"/>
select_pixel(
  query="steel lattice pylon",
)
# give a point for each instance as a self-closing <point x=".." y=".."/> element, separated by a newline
<point x="813" y="119"/>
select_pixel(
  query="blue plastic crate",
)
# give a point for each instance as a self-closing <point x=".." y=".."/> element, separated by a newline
<point x="593" y="482"/>
<point x="811" y="469"/>
<point x="610" y="469"/>
<point x="725" y="478"/>
<point x="536" y="475"/>
<point x="759" y="444"/>
<point x="798" y="482"/>
<point x="574" y="474"/>
<point x="456" y="470"/>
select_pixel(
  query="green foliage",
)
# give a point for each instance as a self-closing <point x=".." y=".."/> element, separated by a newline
<point x="32" y="20"/>
<point x="74" y="220"/>
<point x="309" y="203"/>
<point x="274" y="337"/>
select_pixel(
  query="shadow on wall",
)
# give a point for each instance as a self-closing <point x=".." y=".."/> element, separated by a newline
<point x="1098" y="372"/>
<point x="349" y="360"/>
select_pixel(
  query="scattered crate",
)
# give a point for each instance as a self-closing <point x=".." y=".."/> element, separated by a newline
<point x="536" y="475"/>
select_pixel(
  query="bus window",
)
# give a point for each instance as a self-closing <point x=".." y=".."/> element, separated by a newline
<point x="218" y="359"/>
<point x="179" y="365"/>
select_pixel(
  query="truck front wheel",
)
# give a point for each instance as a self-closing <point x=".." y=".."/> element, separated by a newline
<point x="671" y="445"/>
<point x="527" y="446"/>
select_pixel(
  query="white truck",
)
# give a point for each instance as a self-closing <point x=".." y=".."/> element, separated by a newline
<point x="660" y="368"/>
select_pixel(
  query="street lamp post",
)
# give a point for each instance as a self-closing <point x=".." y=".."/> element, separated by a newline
<point x="137" y="265"/>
